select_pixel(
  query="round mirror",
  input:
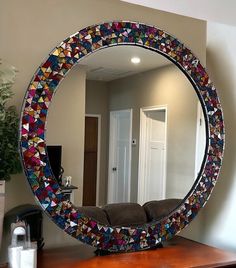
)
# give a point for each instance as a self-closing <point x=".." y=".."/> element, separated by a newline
<point x="152" y="146"/>
<point x="143" y="124"/>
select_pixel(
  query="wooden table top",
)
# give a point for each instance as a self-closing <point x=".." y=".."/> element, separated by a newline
<point x="177" y="253"/>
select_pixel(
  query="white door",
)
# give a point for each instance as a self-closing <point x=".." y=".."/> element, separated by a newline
<point x="119" y="173"/>
<point x="200" y="140"/>
<point x="152" y="164"/>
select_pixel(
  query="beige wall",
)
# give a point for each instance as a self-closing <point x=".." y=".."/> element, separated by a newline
<point x="29" y="30"/>
<point x="162" y="86"/>
<point x="220" y="217"/>
<point x="65" y="126"/>
<point x="97" y="103"/>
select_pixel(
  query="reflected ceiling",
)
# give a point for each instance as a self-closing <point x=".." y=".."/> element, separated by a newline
<point x="114" y="63"/>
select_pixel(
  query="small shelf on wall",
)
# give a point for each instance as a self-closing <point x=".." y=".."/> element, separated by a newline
<point x="68" y="192"/>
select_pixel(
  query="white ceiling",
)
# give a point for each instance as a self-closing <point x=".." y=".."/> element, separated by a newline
<point x="114" y="62"/>
<point x="222" y="11"/>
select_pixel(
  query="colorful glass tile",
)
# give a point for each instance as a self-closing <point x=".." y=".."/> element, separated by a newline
<point x="33" y="146"/>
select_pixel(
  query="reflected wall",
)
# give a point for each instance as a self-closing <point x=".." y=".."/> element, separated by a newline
<point x="166" y="85"/>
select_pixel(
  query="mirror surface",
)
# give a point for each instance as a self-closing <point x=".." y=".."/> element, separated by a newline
<point x="131" y="132"/>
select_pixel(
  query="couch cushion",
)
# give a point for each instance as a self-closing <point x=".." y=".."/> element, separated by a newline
<point x="158" y="209"/>
<point x="125" y="214"/>
<point x="95" y="213"/>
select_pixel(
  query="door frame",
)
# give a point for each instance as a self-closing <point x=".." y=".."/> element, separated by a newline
<point x="110" y="181"/>
<point x="142" y="168"/>
<point x="98" y="154"/>
<point x="200" y="122"/>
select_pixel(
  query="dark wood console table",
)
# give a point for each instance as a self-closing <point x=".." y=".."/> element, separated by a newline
<point x="178" y="253"/>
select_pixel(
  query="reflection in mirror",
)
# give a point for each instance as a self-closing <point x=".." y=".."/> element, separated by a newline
<point x="144" y="131"/>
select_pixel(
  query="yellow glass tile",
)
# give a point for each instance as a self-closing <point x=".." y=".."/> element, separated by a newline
<point x="40" y="99"/>
<point x="43" y="69"/>
<point x="76" y="56"/>
<point x="56" y="52"/>
<point x="35" y="84"/>
<point x="85" y="51"/>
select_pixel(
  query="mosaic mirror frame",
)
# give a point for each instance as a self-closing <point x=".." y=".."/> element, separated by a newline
<point x="33" y="145"/>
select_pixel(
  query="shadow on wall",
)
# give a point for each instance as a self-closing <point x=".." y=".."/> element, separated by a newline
<point x="220" y="210"/>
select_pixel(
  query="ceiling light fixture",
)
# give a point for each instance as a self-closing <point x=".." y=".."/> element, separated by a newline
<point x="135" y="60"/>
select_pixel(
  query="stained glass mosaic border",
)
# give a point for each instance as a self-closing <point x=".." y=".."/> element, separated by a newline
<point x="33" y="146"/>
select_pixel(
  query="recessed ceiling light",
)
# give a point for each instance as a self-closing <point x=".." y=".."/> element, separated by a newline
<point x="135" y="60"/>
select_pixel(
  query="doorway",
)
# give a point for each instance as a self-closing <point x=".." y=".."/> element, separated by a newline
<point x="200" y="139"/>
<point x="119" y="167"/>
<point x="152" y="154"/>
<point x="91" y="160"/>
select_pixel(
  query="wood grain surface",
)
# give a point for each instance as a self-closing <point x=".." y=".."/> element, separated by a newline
<point x="179" y="253"/>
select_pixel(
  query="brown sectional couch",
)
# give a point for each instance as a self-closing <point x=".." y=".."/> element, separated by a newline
<point x="130" y="214"/>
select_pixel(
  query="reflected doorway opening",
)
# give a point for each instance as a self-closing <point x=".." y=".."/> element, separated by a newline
<point x="119" y="166"/>
<point x="91" y="175"/>
<point x="200" y="140"/>
<point x="152" y="154"/>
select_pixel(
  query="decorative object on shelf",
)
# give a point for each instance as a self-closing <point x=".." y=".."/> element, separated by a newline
<point x="67" y="181"/>
<point x="33" y="145"/>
